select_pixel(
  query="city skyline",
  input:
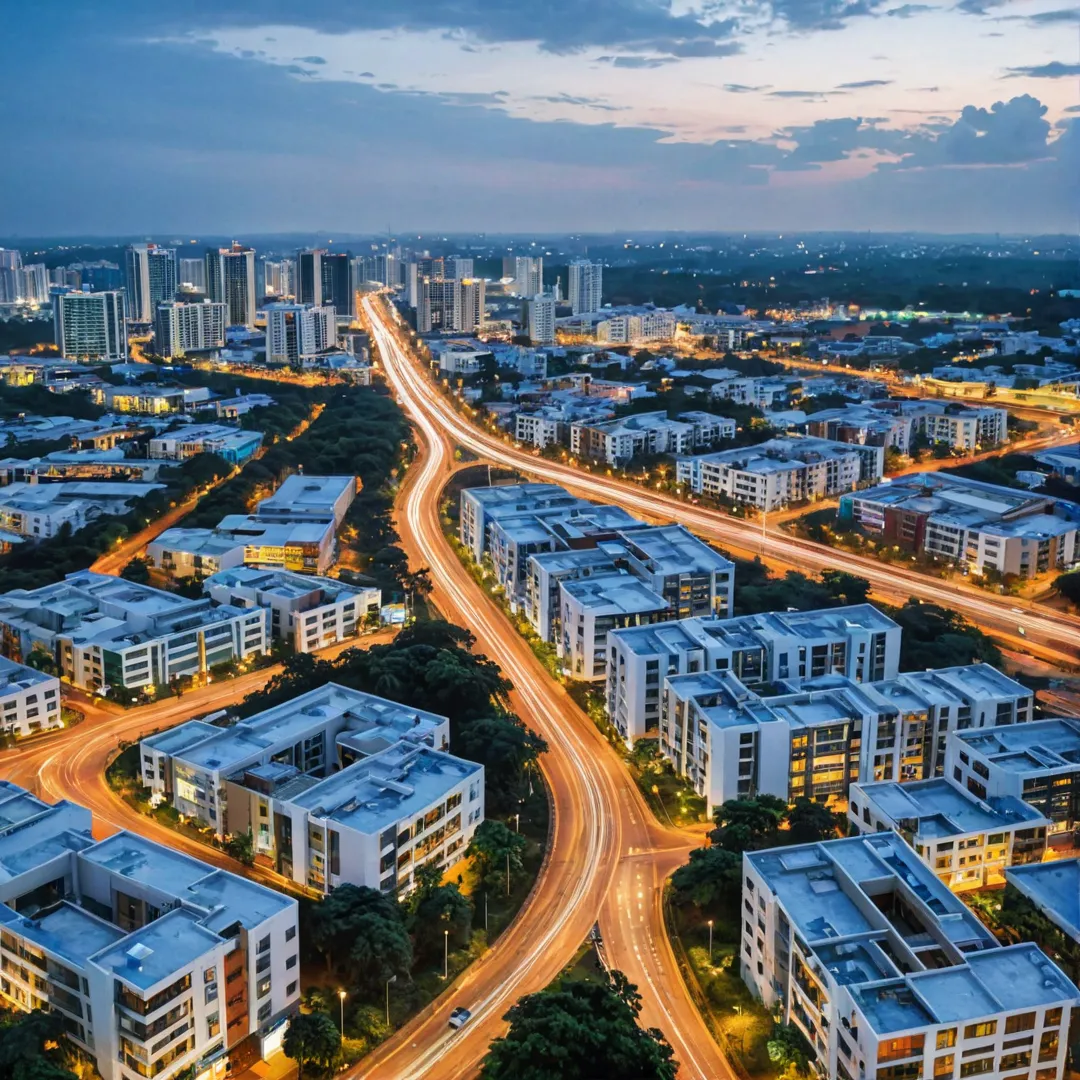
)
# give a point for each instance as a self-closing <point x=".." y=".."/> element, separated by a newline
<point x="823" y="115"/>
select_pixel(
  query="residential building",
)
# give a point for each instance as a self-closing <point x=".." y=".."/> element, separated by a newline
<point x="303" y="546"/>
<point x="279" y="277"/>
<point x="983" y="527"/>
<point x="29" y="700"/>
<point x="543" y="428"/>
<point x="151" y="280"/>
<point x="437" y="304"/>
<point x="471" y="309"/>
<point x="316" y="733"/>
<point x="637" y="328"/>
<point x="887" y="973"/>
<point x="78" y="465"/>
<point x="307" y="612"/>
<point x="481" y="505"/>
<point x="585" y="286"/>
<point x="966" y="428"/>
<point x="325" y="280"/>
<point x="968" y="842"/>
<point x="233" y="444"/>
<point x="192" y="275"/>
<point x="90" y="326"/>
<point x="857" y="641"/>
<point x="155" y="963"/>
<point x="374" y="823"/>
<point x="545" y="573"/>
<point x="294" y="331"/>
<point x="618" y="441"/>
<point x="538" y="319"/>
<point x="1038" y="762"/>
<point x="36" y="511"/>
<point x="230" y="279"/>
<point x="762" y="391"/>
<point x="528" y="276"/>
<point x="182" y="328"/>
<point x="782" y="471"/>
<point x="195" y="553"/>
<point x="1045" y="891"/>
<point x="109" y="633"/>
<point x="35" y="284"/>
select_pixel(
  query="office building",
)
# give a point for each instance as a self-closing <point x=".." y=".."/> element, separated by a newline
<point x="538" y="319"/>
<point x="182" y="552"/>
<point x="182" y="328"/>
<point x="858" y="642"/>
<point x="459" y="268"/>
<point x="89" y="464"/>
<point x="34" y="511"/>
<point x="234" y="444"/>
<point x="325" y="279"/>
<point x="294" y="331"/>
<point x="192" y="274"/>
<point x="1038" y="762"/>
<point x="230" y="280"/>
<point x="782" y="471"/>
<point x="436" y="304"/>
<point x="303" y="497"/>
<point x="151" y="400"/>
<point x="10" y="276"/>
<point x="585" y="286"/>
<point x="966" y="841"/>
<point x="888" y="974"/>
<point x="309" y="613"/>
<point x="150" y="280"/>
<point x="528" y="276"/>
<point x="983" y="527"/>
<point x="29" y="699"/>
<point x="109" y="633"/>
<point x="316" y="733"/>
<point x="471" y="311"/>
<point x="90" y="326"/>
<point x="155" y="963"/>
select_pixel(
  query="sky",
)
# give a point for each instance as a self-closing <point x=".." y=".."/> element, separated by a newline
<point x="229" y="116"/>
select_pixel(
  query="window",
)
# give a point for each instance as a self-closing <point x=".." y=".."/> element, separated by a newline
<point x="946" y="1038"/>
<point x="1052" y="1018"/>
<point x="213" y="1025"/>
<point x="1020" y="1022"/>
<point x="1048" y="1046"/>
<point x="291" y="989"/>
<point x="264" y="1013"/>
<point x="209" y="975"/>
<point x="977" y="1068"/>
<point x="981" y="1031"/>
<point x="290" y="933"/>
<point x="943" y="1066"/>
<point x="263" y="988"/>
<point x="1016" y="1061"/>
<point x="895" y="1049"/>
<point x="264" y="945"/>
<point x="290" y="963"/>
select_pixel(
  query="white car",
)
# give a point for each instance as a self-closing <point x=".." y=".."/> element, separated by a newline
<point x="459" y="1017"/>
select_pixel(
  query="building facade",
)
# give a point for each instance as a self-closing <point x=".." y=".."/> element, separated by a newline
<point x="90" y="326"/>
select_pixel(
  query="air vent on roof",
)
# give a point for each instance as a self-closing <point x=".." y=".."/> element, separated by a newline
<point x="137" y="954"/>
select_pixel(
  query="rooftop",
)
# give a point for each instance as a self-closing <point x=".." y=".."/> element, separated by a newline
<point x="206" y="542"/>
<point x="283" y="584"/>
<point x="614" y="594"/>
<point x="304" y="494"/>
<point x="16" y="677"/>
<point x="257" y="532"/>
<point x="671" y="549"/>
<point x="1038" y="745"/>
<point x="66" y="931"/>
<point x="1054" y="888"/>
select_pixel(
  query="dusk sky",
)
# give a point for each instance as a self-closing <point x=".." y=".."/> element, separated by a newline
<point x="225" y="116"/>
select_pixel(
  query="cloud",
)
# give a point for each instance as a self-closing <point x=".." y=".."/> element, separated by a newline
<point x="864" y="84"/>
<point x="638" y="61"/>
<point x="1052" y="18"/>
<point x="808" y="15"/>
<point x="1073" y="109"/>
<point x="580" y="101"/>
<point x="908" y="11"/>
<point x="835" y="139"/>
<point x="1054" y="70"/>
<point x="805" y="95"/>
<point x="740" y="88"/>
<point x="310" y="59"/>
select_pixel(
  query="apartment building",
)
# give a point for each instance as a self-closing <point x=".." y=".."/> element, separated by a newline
<point x="197" y="553"/>
<point x="617" y="441"/>
<point x="156" y="964"/>
<point x="543" y="428"/>
<point x="857" y="641"/>
<point x="153" y="400"/>
<point x="983" y="527"/>
<point x="781" y="471"/>
<point x="106" y="632"/>
<point x="374" y="823"/>
<point x="764" y="392"/>
<point x="315" y="733"/>
<point x="1049" y="888"/>
<point x="482" y="505"/>
<point x="308" y="612"/>
<point x="233" y="444"/>
<point x="968" y="842"/>
<point x="545" y="573"/>
<point x="78" y="465"/>
<point x="29" y="699"/>
<point x="1038" y="762"/>
<point x="861" y="947"/>
<point x="38" y="511"/>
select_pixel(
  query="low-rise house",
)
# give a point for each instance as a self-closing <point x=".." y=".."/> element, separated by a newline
<point x="233" y="444"/>
<point x="32" y="511"/>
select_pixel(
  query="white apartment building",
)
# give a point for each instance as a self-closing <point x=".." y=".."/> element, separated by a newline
<point x="157" y="964"/>
<point x="181" y="328"/>
<point x="782" y="471"/>
<point x="38" y="511"/>
<point x="481" y="505"/>
<point x="545" y="572"/>
<point x="888" y="974"/>
<point x="153" y="400"/>
<point x="617" y="441"/>
<point x="187" y="766"/>
<point x="857" y="641"/>
<point x="374" y="823"/>
<point x="528" y="276"/>
<point x="635" y="329"/>
<point x="538" y="319"/>
<point x="233" y="444"/>
<point x="585" y="285"/>
<point x="150" y="279"/>
<point x="29" y="699"/>
<point x="968" y="842"/>
<point x="106" y="632"/>
<point x="294" y="331"/>
<point x="762" y="391"/>
<point x="546" y="427"/>
<point x="312" y="498"/>
<point x="183" y="552"/>
<point x="90" y="326"/>
<point x="308" y="612"/>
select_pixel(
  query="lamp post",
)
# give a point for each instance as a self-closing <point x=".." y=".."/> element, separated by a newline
<point x="446" y="954"/>
<point x="710" y="942"/>
<point x="517" y="822"/>
<point x="341" y="999"/>
<point x="392" y="979"/>
<point x="508" y="873"/>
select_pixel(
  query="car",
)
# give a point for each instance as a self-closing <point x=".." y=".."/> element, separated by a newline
<point x="459" y="1017"/>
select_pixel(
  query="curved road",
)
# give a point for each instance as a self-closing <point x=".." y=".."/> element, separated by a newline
<point x="608" y="859"/>
<point x="1018" y="623"/>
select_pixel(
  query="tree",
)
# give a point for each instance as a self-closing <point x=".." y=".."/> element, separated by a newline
<point x="788" y="1047"/>
<point x="312" y="1038"/>
<point x="711" y="880"/>
<point x="381" y="950"/>
<point x="32" y="1047"/>
<point x="493" y="847"/>
<point x="241" y="846"/>
<point x="1068" y="585"/>
<point x="748" y="824"/>
<point x="579" y="1031"/>
<point x="354" y="923"/>
<point x="43" y="660"/>
<point x="137" y="570"/>
<point x="935" y="636"/>
<point x="435" y="908"/>
<point x="419" y="582"/>
<point x="846" y="588"/>
<point x="507" y="749"/>
<point x="810" y="822"/>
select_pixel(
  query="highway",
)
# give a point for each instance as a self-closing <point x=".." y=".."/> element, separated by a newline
<point x="608" y="858"/>
<point x="1018" y="624"/>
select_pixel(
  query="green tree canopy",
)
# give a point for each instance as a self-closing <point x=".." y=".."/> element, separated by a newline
<point x="579" y="1031"/>
<point x="33" y="1047"/>
<point x="1069" y="586"/>
<point x="492" y="845"/>
<point x="312" y="1039"/>
<point x="810" y="822"/>
<point x="748" y="824"/>
<point x="935" y="636"/>
<point x="507" y="749"/>
<point x="788" y="1047"/>
<point x="711" y="880"/>
<point x="435" y="908"/>
<point x="137" y="570"/>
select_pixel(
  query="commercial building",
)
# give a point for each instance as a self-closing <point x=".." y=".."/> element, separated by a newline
<point x="294" y="331"/>
<point x="888" y="974"/>
<point x="617" y="441"/>
<point x="152" y="400"/>
<point x="156" y="964"/>
<point x="106" y="632"/>
<point x="151" y="279"/>
<point x="182" y="328"/>
<point x="90" y="326"/>
<point x="29" y="699"/>
<point x="781" y="471"/>
<point x="857" y="641"/>
<point x="984" y="527"/>
<point x="315" y="733"/>
<point x="968" y="842"/>
<point x="233" y="444"/>
<point x="310" y="498"/>
<point x="633" y="327"/>
<point x="306" y="547"/>
<point x="307" y="612"/>
<point x="230" y="280"/>
<point x="32" y="511"/>
<point x="326" y="280"/>
<point x="192" y="274"/>
<point x="374" y="823"/>
<point x="184" y="552"/>
<point x="78" y="465"/>
<point x="1038" y="762"/>
<point x="585" y="286"/>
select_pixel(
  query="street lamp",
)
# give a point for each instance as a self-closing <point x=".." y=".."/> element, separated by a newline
<point x="710" y="942"/>
<point x="517" y="822"/>
<point x="446" y="954"/>
<point x="341" y="998"/>
<point x="392" y="979"/>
